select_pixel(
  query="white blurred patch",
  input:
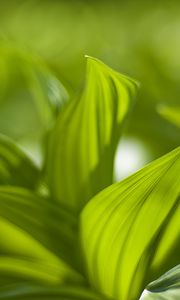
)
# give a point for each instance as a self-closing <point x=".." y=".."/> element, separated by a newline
<point x="131" y="155"/>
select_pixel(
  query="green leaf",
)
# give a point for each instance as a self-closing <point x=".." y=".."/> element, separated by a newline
<point x="172" y="114"/>
<point x="82" y="145"/>
<point x="130" y="231"/>
<point x="30" y="96"/>
<point x="164" y="288"/>
<point x="42" y="236"/>
<point x="16" y="168"/>
<point x="69" y="292"/>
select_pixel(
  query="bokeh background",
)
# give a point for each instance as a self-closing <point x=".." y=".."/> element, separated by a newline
<point x="42" y="48"/>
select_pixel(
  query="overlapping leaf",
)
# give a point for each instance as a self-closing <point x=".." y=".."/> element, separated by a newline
<point x="82" y="145"/>
<point x="130" y="231"/>
<point x="25" y="292"/>
<point x="36" y="238"/>
<point x="167" y="287"/>
<point x="15" y="167"/>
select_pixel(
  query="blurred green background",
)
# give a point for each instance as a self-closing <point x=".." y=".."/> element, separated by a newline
<point x="42" y="40"/>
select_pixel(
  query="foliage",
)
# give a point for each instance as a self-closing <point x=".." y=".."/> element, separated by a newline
<point x="139" y="38"/>
<point x="60" y="237"/>
<point x="164" y="288"/>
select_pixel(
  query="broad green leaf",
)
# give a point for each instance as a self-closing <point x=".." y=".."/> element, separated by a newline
<point x="41" y="234"/>
<point x="15" y="166"/>
<point x="172" y="114"/>
<point x="83" y="143"/>
<point x="28" y="292"/>
<point x="130" y="231"/>
<point x="167" y="287"/>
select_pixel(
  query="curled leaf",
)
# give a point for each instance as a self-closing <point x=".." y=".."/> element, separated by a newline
<point x="82" y="145"/>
